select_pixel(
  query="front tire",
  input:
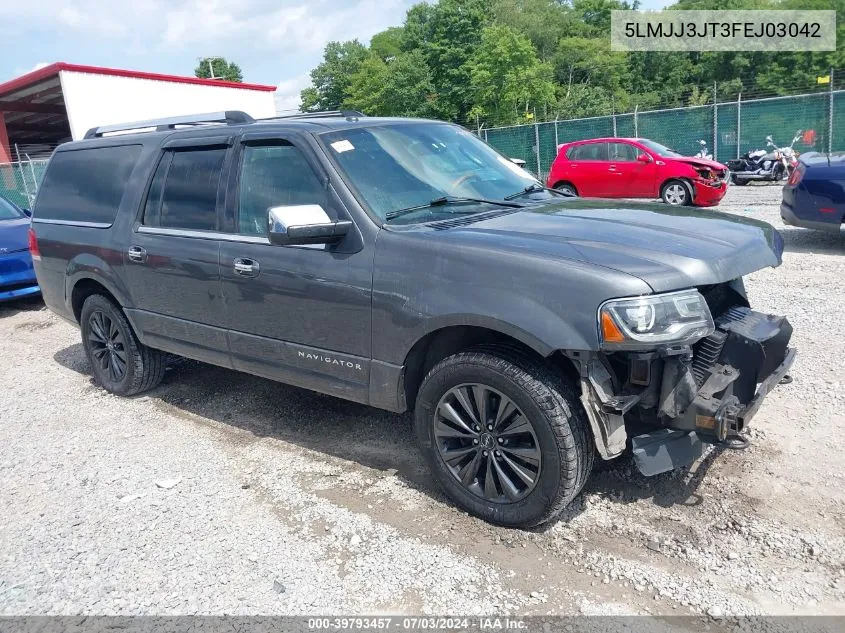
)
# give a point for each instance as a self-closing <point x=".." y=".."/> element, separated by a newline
<point x="120" y="363"/>
<point x="505" y="436"/>
<point x="676" y="193"/>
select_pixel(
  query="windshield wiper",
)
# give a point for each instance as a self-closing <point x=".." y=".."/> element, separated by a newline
<point x="444" y="200"/>
<point x="535" y="187"/>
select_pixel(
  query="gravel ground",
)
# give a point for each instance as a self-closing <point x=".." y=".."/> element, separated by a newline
<point x="223" y="493"/>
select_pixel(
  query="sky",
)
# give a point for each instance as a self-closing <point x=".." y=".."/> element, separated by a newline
<point x="275" y="42"/>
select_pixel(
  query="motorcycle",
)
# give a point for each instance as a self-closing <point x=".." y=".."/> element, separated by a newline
<point x="790" y="155"/>
<point x="702" y="153"/>
<point x="763" y="164"/>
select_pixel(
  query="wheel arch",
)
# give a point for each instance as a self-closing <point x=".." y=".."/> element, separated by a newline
<point x="686" y="181"/>
<point x="83" y="285"/>
<point x="447" y="340"/>
<point x="564" y="181"/>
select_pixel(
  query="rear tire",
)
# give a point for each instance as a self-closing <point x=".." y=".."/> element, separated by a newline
<point x="545" y="436"/>
<point x="676" y="193"/>
<point x="119" y="362"/>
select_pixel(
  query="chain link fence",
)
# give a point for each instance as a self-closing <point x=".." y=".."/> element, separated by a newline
<point x="19" y="181"/>
<point x="729" y="128"/>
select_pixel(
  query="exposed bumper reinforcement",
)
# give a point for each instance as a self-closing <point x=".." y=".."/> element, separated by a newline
<point x="666" y="449"/>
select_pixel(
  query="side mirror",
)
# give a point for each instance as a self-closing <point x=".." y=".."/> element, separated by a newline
<point x="702" y="143"/>
<point x="303" y="224"/>
<point x="517" y="161"/>
<point x="643" y="158"/>
<point x="26" y="212"/>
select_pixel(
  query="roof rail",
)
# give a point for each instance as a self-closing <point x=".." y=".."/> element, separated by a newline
<point x="229" y="117"/>
<point x="346" y="114"/>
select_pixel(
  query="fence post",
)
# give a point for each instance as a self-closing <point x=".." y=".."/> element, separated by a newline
<point x="34" y="178"/>
<point x="715" y="125"/>
<point x="738" y="122"/>
<point x="636" y="127"/>
<point x="537" y="146"/>
<point x="557" y="141"/>
<point x="485" y="135"/>
<point x="830" y="116"/>
<point x="23" y="176"/>
<point x="614" y="125"/>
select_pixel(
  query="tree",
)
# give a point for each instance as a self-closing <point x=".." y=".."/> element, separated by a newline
<point x="331" y="79"/>
<point x="447" y="34"/>
<point x="541" y="21"/>
<point x="401" y="86"/>
<point x="507" y="79"/>
<point x="388" y="44"/>
<point x="225" y="70"/>
<point x="583" y="60"/>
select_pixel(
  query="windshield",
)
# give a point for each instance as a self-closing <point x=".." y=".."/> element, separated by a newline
<point x="8" y="211"/>
<point x="657" y="148"/>
<point x="404" y="165"/>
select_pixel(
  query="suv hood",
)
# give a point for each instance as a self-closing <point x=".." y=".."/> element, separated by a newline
<point x="668" y="248"/>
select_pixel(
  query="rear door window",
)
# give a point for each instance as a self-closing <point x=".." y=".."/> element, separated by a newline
<point x="183" y="194"/>
<point x="589" y="151"/>
<point x="86" y="185"/>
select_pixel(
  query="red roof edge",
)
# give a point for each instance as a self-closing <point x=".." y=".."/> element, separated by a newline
<point x="41" y="74"/>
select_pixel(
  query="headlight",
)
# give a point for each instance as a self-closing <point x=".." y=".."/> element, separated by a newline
<point x="675" y="318"/>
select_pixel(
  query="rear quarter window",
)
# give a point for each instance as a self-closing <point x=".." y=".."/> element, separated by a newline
<point x="86" y="185"/>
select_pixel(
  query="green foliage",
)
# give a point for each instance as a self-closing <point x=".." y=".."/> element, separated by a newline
<point x="502" y="62"/>
<point x="331" y="80"/>
<point x="388" y="43"/>
<point x="506" y="77"/>
<point x="401" y="86"/>
<point x="228" y="71"/>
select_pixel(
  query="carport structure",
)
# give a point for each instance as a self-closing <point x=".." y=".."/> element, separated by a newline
<point x="32" y="111"/>
<point x="60" y="102"/>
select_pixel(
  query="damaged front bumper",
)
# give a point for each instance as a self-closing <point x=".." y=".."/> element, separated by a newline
<point x="671" y="402"/>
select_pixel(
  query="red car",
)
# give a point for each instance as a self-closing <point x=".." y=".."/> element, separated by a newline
<point x="637" y="168"/>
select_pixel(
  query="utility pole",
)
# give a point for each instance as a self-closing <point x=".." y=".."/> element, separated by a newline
<point x="738" y="122"/>
<point x="210" y="62"/>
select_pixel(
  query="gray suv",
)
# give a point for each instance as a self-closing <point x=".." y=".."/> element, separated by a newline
<point x="407" y="265"/>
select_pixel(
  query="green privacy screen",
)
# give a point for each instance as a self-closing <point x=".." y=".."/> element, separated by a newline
<point x="729" y="129"/>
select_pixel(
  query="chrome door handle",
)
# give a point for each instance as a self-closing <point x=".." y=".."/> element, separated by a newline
<point x="137" y="254"/>
<point x="246" y="267"/>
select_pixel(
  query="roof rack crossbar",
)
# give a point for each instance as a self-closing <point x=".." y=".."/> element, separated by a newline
<point x="346" y="114"/>
<point x="229" y="117"/>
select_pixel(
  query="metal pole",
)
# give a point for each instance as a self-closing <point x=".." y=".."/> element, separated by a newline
<point x="557" y="142"/>
<point x="485" y="136"/>
<point x="32" y="171"/>
<point x="738" y="122"/>
<point x="715" y="125"/>
<point x="636" y="127"/>
<point x="23" y="176"/>
<point x="613" y="114"/>
<point x="830" y="116"/>
<point x="537" y="146"/>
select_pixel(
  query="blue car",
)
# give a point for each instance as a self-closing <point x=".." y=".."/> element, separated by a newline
<point x="17" y="277"/>
<point x="814" y="196"/>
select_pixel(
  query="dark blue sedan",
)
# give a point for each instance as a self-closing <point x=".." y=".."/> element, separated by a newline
<point x="17" y="277"/>
<point x="814" y="196"/>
